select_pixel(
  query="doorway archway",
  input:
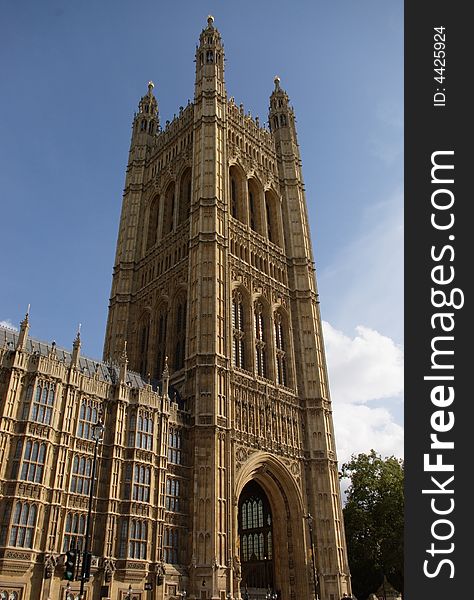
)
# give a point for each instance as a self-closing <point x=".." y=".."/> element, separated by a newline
<point x="256" y="538"/>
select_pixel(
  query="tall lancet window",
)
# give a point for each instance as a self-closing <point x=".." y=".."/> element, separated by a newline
<point x="168" y="216"/>
<point x="252" y="211"/>
<point x="180" y="334"/>
<point x="161" y="341"/>
<point x="260" y="350"/>
<point x="280" y="346"/>
<point x="143" y="345"/>
<point x="153" y="223"/>
<point x="238" y="332"/>
<point x="233" y="198"/>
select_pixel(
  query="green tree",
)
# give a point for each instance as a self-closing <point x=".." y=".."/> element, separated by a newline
<point x="374" y="520"/>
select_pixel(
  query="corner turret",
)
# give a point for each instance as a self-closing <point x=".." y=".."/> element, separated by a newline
<point x="146" y="121"/>
<point x="209" y="62"/>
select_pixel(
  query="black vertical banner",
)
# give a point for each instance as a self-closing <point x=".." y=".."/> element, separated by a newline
<point x="439" y="205"/>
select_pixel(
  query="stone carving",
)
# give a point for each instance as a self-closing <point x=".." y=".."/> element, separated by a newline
<point x="50" y="562"/>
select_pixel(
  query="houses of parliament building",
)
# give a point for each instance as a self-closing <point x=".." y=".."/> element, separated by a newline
<point x="215" y="475"/>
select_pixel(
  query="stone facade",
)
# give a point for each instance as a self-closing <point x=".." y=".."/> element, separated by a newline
<point x="214" y="302"/>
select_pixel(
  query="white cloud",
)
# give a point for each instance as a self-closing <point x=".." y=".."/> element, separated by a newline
<point x="7" y="323"/>
<point x="365" y="371"/>
<point x="365" y="368"/>
<point x="360" y="428"/>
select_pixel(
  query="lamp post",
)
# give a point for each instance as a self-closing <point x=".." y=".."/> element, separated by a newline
<point x="309" y="519"/>
<point x="129" y="593"/>
<point x="97" y="433"/>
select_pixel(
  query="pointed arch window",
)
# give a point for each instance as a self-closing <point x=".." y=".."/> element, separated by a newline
<point x="175" y="447"/>
<point x="23" y="526"/>
<point x="43" y="402"/>
<point x="280" y="350"/>
<point x="252" y="211"/>
<point x="152" y="236"/>
<point x="172" y="497"/>
<point x="233" y="197"/>
<point x="170" y="545"/>
<point x="133" y="539"/>
<point x="138" y="539"/>
<point x="140" y="433"/>
<point x="144" y="332"/>
<point x="180" y="335"/>
<point x="255" y="530"/>
<point x="269" y="221"/>
<point x="74" y="532"/>
<point x="185" y="196"/>
<point x="238" y="331"/>
<point x="33" y="462"/>
<point x="260" y="345"/>
<point x="81" y="475"/>
<point x="88" y="417"/>
<point x="142" y="483"/>
<point x="169" y="207"/>
<point x="161" y="341"/>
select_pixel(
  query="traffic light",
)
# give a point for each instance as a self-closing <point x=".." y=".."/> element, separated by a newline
<point x="70" y="565"/>
<point x="87" y="566"/>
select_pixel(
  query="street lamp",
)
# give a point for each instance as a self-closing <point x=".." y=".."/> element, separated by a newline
<point x="309" y="519"/>
<point x="129" y="593"/>
<point x="97" y="433"/>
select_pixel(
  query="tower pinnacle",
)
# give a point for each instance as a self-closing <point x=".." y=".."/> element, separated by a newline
<point x="147" y="119"/>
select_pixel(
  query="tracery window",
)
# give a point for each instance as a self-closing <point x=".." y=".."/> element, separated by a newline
<point x="74" y="532"/>
<point x="260" y="346"/>
<point x="141" y="483"/>
<point x="172" y="499"/>
<point x="170" y="545"/>
<point x="141" y="432"/>
<point x="33" y="460"/>
<point x="138" y="539"/>
<point x="88" y="418"/>
<point x="23" y="526"/>
<point x="43" y="402"/>
<point x="81" y="475"/>
<point x="238" y="331"/>
<point x="255" y="530"/>
<point x="282" y="378"/>
<point x="175" y="447"/>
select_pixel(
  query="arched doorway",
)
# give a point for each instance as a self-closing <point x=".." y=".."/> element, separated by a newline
<point x="256" y="539"/>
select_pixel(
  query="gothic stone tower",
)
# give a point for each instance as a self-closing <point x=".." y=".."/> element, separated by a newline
<point x="214" y="269"/>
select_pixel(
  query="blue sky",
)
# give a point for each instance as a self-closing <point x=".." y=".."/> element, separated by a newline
<point x="71" y="77"/>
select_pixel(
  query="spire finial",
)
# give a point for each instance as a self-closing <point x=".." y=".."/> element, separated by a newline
<point x="210" y="20"/>
<point x="123" y="363"/>
<point x="151" y="85"/>
<point x="24" y="327"/>
<point x="277" y="82"/>
<point x="166" y="371"/>
<point x="166" y="378"/>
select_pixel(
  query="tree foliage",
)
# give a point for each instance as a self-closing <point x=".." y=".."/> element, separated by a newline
<point x="374" y="520"/>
